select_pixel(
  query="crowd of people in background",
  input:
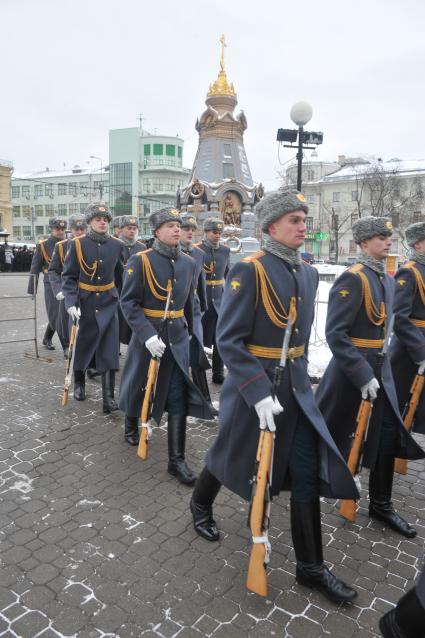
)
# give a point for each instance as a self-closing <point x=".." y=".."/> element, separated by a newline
<point x="15" y="258"/>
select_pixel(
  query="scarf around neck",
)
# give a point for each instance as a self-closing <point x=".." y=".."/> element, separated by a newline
<point x="290" y="255"/>
<point x="99" y="237"/>
<point x="372" y="263"/>
<point x="129" y="242"/>
<point x="187" y="247"/>
<point x="417" y="256"/>
<point x="172" y="252"/>
<point x="211" y="244"/>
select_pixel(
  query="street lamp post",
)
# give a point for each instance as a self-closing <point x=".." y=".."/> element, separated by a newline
<point x="101" y="171"/>
<point x="301" y="114"/>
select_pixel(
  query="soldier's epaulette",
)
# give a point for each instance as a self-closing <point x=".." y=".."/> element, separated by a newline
<point x="198" y="244"/>
<point x="254" y="256"/>
<point x="41" y="241"/>
<point x="143" y="252"/>
<point x="80" y="237"/>
<point x="62" y="241"/>
<point x="409" y="264"/>
<point x="117" y="239"/>
<point x="356" y="268"/>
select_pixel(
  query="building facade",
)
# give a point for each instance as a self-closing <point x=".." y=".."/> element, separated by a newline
<point x="146" y="171"/>
<point x="340" y="192"/>
<point x="6" y="170"/>
<point x="40" y="195"/>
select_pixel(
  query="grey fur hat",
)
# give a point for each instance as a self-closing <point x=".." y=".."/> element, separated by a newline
<point x="277" y="204"/>
<point x="164" y="215"/>
<point x="116" y="222"/>
<point x="415" y="233"/>
<point x="368" y="227"/>
<point x="57" y="222"/>
<point x="189" y="221"/>
<point x="98" y="210"/>
<point x="77" y="221"/>
<point x="128" y="220"/>
<point x="213" y="223"/>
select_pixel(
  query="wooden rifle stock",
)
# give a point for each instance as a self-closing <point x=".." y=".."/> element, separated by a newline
<point x="347" y="507"/>
<point x="258" y="516"/>
<point x="400" y="465"/>
<point x="69" y="365"/>
<point x="142" y="450"/>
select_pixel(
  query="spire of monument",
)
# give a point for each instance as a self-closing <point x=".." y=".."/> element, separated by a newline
<point x="222" y="86"/>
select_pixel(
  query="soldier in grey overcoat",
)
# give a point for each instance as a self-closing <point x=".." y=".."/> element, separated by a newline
<point x="359" y="311"/>
<point x="216" y="268"/>
<point x="77" y="225"/>
<point x="261" y="292"/>
<point x="151" y="276"/>
<point x="91" y="278"/>
<point x="408" y="344"/>
<point x="40" y="263"/>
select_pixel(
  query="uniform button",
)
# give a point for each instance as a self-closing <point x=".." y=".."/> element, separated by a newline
<point x="100" y="261"/>
<point x="294" y="270"/>
<point x="171" y="343"/>
<point x="97" y="294"/>
<point x="97" y="310"/>
<point x="170" y="321"/>
<point x="294" y="389"/>
<point x="175" y="280"/>
<point x="296" y="329"/>
<point x="172" y="261"/>
<point x="171" y="301"/>
<point x="99" y="277"/>
<point x="300" y="298"/>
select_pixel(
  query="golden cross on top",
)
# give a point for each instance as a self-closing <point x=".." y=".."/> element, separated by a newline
<point x="223" y="44"/>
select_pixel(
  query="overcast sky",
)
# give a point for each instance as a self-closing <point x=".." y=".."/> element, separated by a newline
<point x="71" y="70"/>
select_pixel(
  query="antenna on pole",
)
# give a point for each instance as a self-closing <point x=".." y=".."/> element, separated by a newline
<point x="141" y="118"/>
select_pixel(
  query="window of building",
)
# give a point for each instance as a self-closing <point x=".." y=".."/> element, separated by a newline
<point x="395" y="219"/>
<point x="354" y="196"/>
<point x="169" y="184"/>
<point x="170" y="150"/>
<point x="228" y="171"/>
<point x="309" y="223"/>
<point x="417" y="216"/>
<point x="336" y="197"/>
<point x="352" y="247"/>
<point x="120" y="188"/>
<point x="26" y="212"/>
<point x="48" y="190"/>
<point x="26" y="232"/>
<point x="16" y="191"/>
<point x="16" y="232"/>
<point x="16" y="211"/>
<point x="180" y="152"/>
<point x="147" y="185"/>
<point x="72" y="189"/>
<point x="62" y="210"/>
<point x="158" y="149"/>
<point x="38" y="210"/>
<point x="83" y="208"/>
<point x="49" y="210"/>
<point x="227" y="150"/>
<point x="311" y="199"/>
<point x="61" y="189"/>
<point x="157" y="184"/>
<point x="147" y="149"/>
<point x="38" y="190"/>
<point x="39" y="230"/>
<point x="26" y="191"/>
<point x="84" y="189"/>
<point x="308" y="245"/>
<point x="73" y="208"/>
<point x="310" y="175"/>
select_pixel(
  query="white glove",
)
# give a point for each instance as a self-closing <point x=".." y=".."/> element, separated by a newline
<point x="370" y="390"/>
<point x="74" y="313"/>
<point x="421" y="365"/>
<point x="60" y="296"/>
<point x="156" y="346"/>
<point x="266" y="409"/>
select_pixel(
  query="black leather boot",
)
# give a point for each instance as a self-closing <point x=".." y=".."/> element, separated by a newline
<point x="406" y="620"/>
<point x="217" y="367"/>
<point x="177" y="465"/>
<point x="108" y="390"/>
<point x="199" y="378"/>
<point x="47" y="339"/>
<point x="206" y="489"/>
<point x="380" y="489"/>
<point x="131" y="430"/>
<point x="79" y="385"/>
<point x="306" y="529"/>
<point x="92" y="373"/>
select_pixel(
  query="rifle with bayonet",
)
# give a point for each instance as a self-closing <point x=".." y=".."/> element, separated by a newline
<point x="69" y="363"/>
<point x="347" y="507"/>
<point x="149" y="396"/>
<point x="400" y="465"/>
<point x="259" y="512"/>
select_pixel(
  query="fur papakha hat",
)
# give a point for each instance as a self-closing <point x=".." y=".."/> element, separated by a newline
<point x="57" y="222"/>
<point x="77" y="221"/>
<point x="98" y="210"/>
<point x="415" y="233"/>
<point x="277" y="204"/>
<point x="213" y="223"/>
<point x="128" y="220"/>
<point x="368" y="227"/>
<point x="189" y="221"/>
<point x="164" y="215"/>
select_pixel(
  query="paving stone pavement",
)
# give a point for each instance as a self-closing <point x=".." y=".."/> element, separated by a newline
<point x="96" y="543"/>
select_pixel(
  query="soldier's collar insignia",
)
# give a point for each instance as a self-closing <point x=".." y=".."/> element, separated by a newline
<point x="235" y="285"/>
<point x="401" y="282"/>
<point x="130" y="271"/>
<point x="300" y="197"/>
<point x="389" y="225"/>
<point x="343" y="293"/>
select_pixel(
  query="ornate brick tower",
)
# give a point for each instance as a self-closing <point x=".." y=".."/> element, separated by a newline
<point x="221" y="183"/>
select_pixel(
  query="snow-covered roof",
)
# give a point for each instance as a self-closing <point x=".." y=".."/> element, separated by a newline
<point x="403" y="168"/>
<point x="64" y="172"/>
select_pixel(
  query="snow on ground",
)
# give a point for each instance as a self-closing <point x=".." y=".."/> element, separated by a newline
<point x="319" y="354"/>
